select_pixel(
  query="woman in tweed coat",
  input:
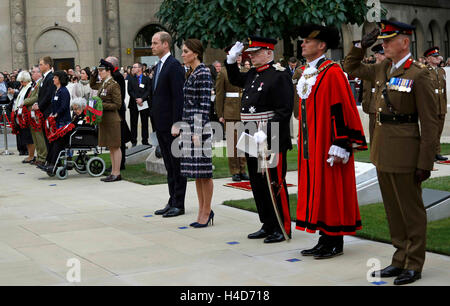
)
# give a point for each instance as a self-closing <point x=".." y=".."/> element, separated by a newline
<point x="196" y="160"/>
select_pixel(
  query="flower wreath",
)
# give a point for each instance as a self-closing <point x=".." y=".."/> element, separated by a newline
<point x="53" y="133"/>
<point x="14" y="123"/>
<point x="24" y="118"/>
<point x="94" y="111"/>
<point x="37" y="122"/>
<point x="50" y="126"/>
<point x="61" y="132"/>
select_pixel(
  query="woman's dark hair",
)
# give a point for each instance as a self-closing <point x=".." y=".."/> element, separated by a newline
<point x="88" y="72"/>
<point x="63" y="77"/>
<point x="195" y="46"/>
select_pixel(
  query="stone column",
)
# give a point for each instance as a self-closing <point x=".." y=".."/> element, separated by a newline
<point x="112" y="25"/>
<point x="18" y="34"/>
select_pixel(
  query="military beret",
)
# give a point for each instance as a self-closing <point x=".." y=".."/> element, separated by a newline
<point x="393" y="28"/>
<point x="378" y="49"/>
<point x="255" y="43"/>
<point x="328" y="34"/>
<point x="434" y="51"/>
<point x="106" y="65"/>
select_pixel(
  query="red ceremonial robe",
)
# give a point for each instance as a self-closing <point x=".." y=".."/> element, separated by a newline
<point x="327" y="199"/>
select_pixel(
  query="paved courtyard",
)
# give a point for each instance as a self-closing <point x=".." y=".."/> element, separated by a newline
<point x="111" y="230"/>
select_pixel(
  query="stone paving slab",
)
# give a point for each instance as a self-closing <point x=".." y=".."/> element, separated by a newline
<point x="112" y="230"/>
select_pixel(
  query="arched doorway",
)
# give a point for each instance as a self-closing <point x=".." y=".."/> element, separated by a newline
<point x="447" y="40"/>
<point x="434" y="34"/>
<point x="60" y="46"/>
<point x="142" y="45"/>
<point x="418" y="40"/>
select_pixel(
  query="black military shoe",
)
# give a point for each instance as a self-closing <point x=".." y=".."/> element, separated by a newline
<point x="389" y="271"/>
<point x="262" y="233"/>
<point x="162" y="211"/>
<point x="236" y="178"/>
<point x="244" y="177"/>
<point x="329" y="252"/>
<point x="275" y="237"/>
<point x="439" y="157"/>
<point x="407" y="277"/>
<point x="315" y="250"/>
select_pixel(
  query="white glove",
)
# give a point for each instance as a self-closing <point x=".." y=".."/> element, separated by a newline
<point x="260" y="137"/>
<point x="338" y="152"/>
<point x="234" y="52"/>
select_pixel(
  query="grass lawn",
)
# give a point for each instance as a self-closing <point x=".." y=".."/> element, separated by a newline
<point x="374" y="221"/>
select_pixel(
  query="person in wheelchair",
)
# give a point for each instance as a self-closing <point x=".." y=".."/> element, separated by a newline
<point x="60" y="144"/>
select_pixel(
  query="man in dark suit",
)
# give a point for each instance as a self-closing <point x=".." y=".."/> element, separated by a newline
<point x="47" y="88"/>
<point x="46" y="91"/>
<point x="167" y="109"/>
<point x="139" y="89"/>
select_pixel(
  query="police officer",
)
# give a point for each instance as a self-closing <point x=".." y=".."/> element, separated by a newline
<point x="267" y="99"/>
<point x="402" y="154"/>
<point x="432" y="57"/>
<point x="228" y="109"/>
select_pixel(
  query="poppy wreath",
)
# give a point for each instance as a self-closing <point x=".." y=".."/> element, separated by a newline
<point x="37" y="122"/>
<point x="94" y="113"/>
<point x="61" y="132"/>
<point x="24" y="118"/>
<point x="50" y="126"/>
<point x="14" y="123"/>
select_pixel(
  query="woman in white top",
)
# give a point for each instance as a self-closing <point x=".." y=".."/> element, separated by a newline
<point x="24" y="136"/>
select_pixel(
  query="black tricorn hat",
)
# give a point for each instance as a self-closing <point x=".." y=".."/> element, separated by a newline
<point x="106" y="65"/>
<point x="378" y="49"/>
<point x="328" y="34"/>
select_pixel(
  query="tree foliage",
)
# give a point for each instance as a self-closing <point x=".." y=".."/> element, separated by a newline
<point x="221" y="22"/>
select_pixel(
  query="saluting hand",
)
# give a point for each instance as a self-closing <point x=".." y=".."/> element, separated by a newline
<point x="370" y="38"/>
<point x="234" y="52"/>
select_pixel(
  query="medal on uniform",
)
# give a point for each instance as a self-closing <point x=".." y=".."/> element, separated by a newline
<point x="403" y="85"/>
<point x="260" y="86"/>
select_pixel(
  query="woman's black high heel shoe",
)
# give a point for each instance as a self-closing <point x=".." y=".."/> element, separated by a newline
<point x="210" y="219"/>
<point x="193" y="224"/>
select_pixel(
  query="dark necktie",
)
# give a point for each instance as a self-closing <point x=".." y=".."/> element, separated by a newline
<point x="158" y="68"/>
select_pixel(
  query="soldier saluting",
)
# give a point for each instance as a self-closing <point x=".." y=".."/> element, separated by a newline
<point x="438" y="75"/>
<point x="402" y="154"/>
<point x="267" y="98"/>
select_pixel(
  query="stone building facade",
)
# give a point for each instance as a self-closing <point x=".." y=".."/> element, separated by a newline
<point x="80" y="32"/>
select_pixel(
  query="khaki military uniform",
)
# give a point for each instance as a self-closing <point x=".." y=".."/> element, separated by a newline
<point x="439" y="80"/>
<point x="109" y="132"/>
<point x="228" y="106"/>
<point x="38" y="137"/>
<point x="398" y="149"/>
<point x="368" y="104"/>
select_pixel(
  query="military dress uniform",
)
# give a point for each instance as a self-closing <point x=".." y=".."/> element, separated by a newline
<point x="439" y="81"/>
<point x="267" y="98"/>
<point x="404" y="96"/>
<point x="228" y="106"/>
<point x="109" y="132"/>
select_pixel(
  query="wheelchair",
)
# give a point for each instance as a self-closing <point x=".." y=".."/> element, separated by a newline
<point x="82" y="140"/>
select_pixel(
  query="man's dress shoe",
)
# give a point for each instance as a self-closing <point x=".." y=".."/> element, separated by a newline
<point x="329" y="252"/>
<point x="389" y="271"/>
<point x="313" y="251"/>
<point x="275" y="237"/>
<point x="407" y="277"/>
<point x="173" y="212"/>
<point x="112" y="178"/>
<point x="162" y="211"/>
<point x="262" y="233"/>
<point x="439" y="157"/>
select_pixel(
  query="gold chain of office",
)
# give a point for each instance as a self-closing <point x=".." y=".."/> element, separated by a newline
<point x="311" y="75"/>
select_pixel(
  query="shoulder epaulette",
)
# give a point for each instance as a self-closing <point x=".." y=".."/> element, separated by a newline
<point x="419" y="65"/>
